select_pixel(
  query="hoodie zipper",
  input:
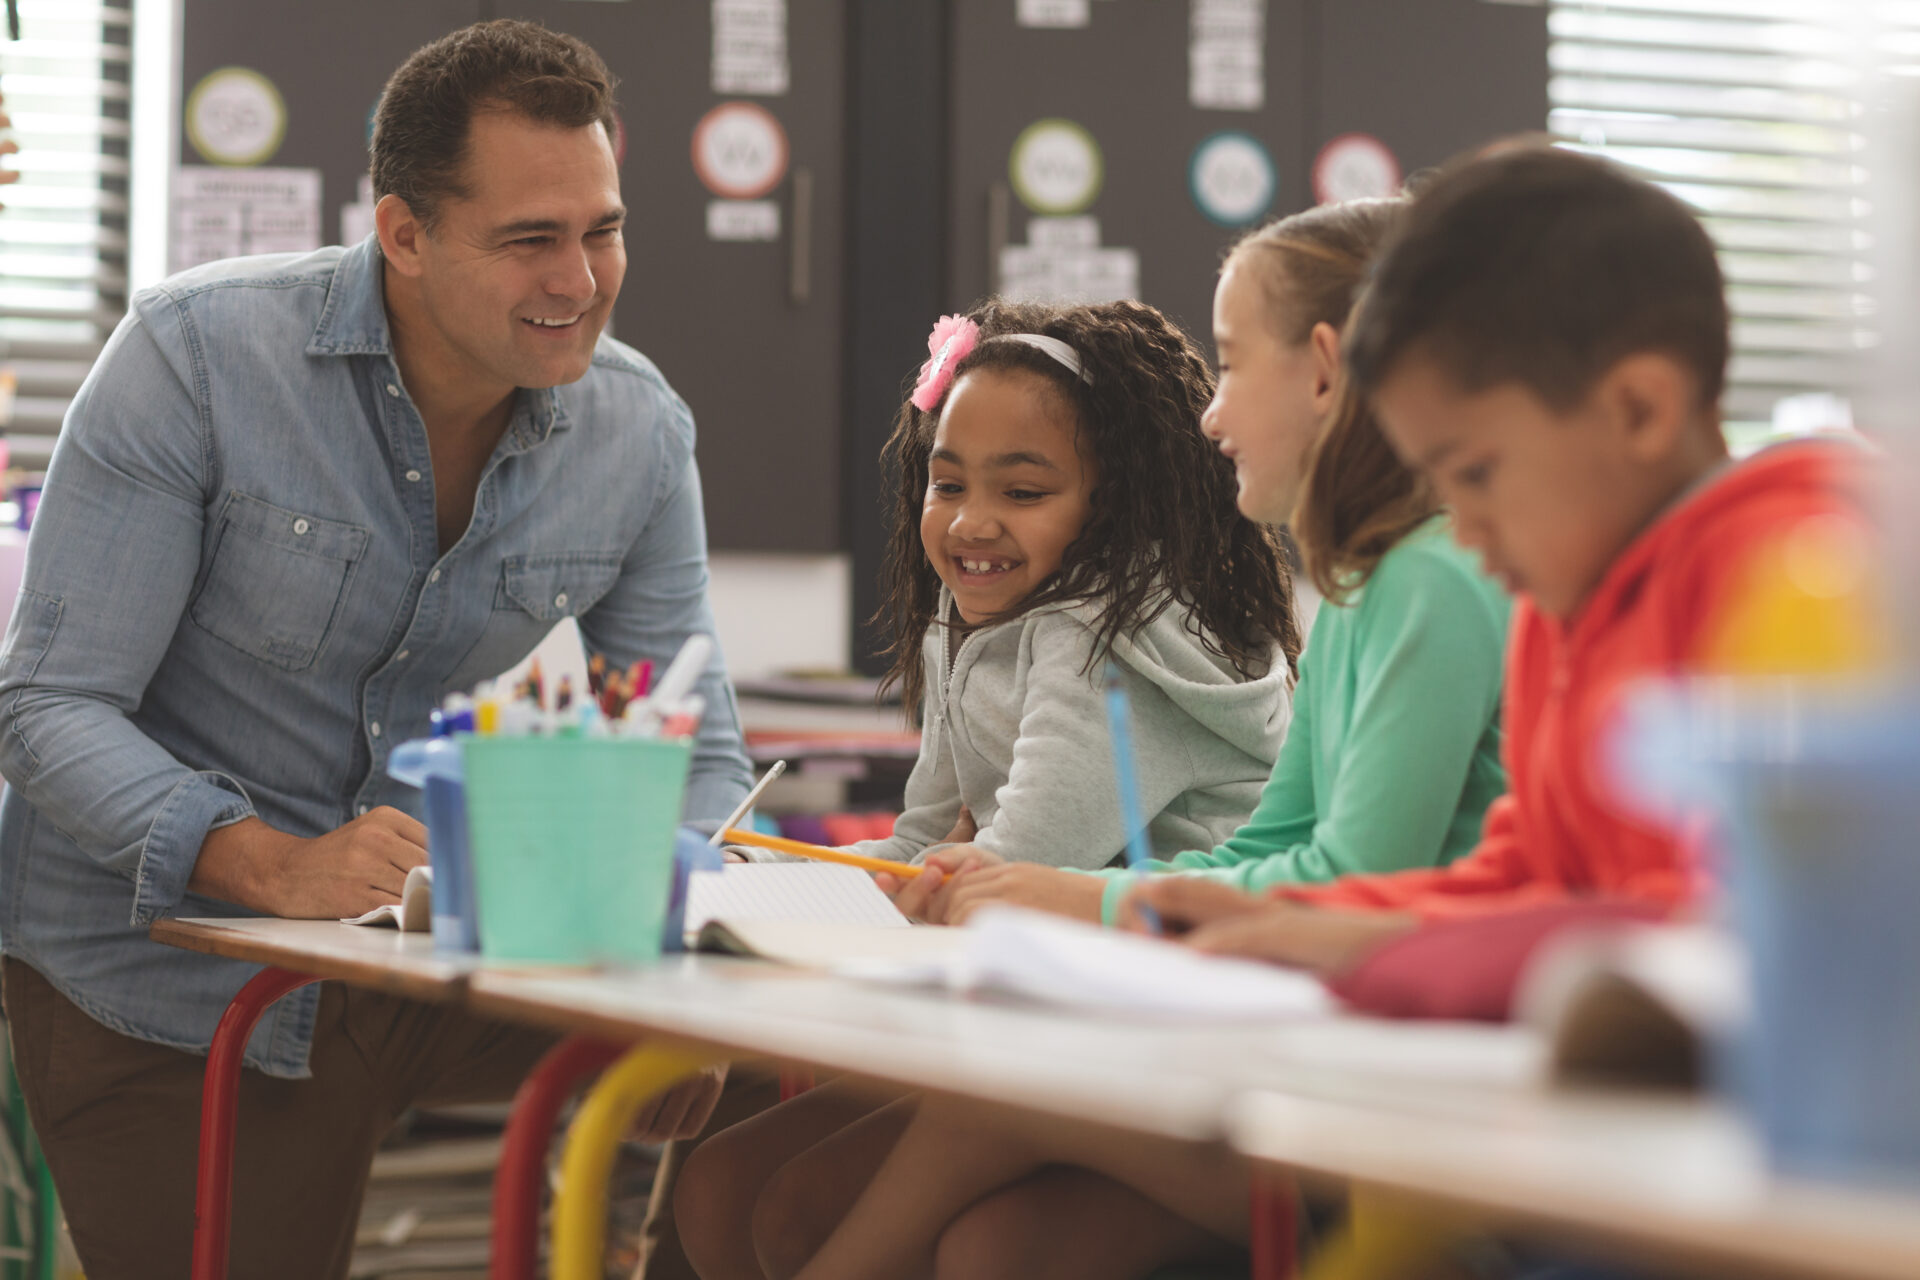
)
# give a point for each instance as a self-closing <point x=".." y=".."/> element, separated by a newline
<point x="949" y="662"/>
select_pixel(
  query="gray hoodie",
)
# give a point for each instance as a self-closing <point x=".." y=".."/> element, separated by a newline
<point x="1017" y="732"/>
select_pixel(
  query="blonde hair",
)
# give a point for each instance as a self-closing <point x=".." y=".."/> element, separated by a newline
<point x="1357" y="500"/>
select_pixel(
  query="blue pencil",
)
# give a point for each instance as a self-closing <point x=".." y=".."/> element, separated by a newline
<point x="1120" y="728"/>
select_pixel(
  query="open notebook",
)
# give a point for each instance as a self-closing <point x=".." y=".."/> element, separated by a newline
<point x="413" y="913"/>
<point x="1053" y="960"/>
<point x="811" y="914"/>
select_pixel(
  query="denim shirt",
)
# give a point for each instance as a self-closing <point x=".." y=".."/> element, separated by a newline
<point x="235" y="605"/>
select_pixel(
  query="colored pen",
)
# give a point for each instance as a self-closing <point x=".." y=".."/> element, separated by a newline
<point x="779" y="767"/>
<point x="1120" y="728"/>
<point x="819" y="853"/>
<point x="684" y="719"/>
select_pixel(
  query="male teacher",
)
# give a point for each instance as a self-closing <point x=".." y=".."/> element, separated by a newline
<point x="298" y="501"/>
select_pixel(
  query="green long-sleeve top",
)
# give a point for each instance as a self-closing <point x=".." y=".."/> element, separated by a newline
<point x="1394" y="751"/>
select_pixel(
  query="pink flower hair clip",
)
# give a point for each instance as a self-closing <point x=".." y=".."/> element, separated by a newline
<point x="952" y="340"/>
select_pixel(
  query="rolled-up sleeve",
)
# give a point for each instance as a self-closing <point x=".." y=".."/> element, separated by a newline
<point x="111" y="562"/>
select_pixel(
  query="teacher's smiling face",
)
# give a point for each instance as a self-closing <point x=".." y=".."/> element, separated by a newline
<point x="517" y="275"/>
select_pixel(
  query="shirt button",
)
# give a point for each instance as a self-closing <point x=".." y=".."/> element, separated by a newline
<point x="362" y="811"/>
<point x="413" y="477"/>
<point x="301" y="526"/>
<point x="560" y="601"/>
<point x="402" y="655"/>
<point x="392" y="390"/>
<point x="374" y="728"/>
<point x="434" y="576"/>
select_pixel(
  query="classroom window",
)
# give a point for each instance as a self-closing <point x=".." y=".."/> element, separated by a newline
<point x="1749" y="110"/>
<point x="63" y="236"/>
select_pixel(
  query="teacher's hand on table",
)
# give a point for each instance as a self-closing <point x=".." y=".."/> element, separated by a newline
<point x="683" y="1110"/>
<point x="345" y="872"/>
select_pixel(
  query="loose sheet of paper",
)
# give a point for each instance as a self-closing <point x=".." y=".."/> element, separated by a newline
<point x="1053" y="13"/>
<point x="224" y="213"/>
<point x="1063" y="262"/>
<point x="823" y="893"/>
<point x="750" y="47"/>
<point x="1226" y="61"/>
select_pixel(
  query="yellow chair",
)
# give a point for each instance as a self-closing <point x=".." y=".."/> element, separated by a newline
<point x="580" y="1202"/>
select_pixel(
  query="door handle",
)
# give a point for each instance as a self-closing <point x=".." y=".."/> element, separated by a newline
<point x="999" y="211"/>
<point x="800" y="246"/>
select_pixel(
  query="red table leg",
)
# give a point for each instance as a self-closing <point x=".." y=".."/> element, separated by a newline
<point x="1272" y="1237"/>
<point x="523" y="1152"/>
<point x="219" y="1110"/>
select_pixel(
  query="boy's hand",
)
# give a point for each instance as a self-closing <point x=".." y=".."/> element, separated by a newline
<point x="683" y="1110"/>
<point x="1026" y="885"/>
<point x="1183" y="903"/>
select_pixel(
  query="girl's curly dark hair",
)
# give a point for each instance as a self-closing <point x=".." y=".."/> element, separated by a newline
<point x="1163" y="525"/>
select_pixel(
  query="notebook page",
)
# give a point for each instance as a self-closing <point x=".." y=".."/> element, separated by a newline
<point x="829" y="946"/>
<point x="820" y="892"/>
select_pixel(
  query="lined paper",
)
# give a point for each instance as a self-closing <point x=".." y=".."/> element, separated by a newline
<point x="817" y="892"/>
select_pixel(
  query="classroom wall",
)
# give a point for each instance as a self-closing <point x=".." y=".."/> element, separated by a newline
<point x="781" y="611"/>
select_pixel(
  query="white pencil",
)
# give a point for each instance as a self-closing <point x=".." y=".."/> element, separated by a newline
<point x="733" y="819"/>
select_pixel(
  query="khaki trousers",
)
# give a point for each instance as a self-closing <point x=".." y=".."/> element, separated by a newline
<point x="119" y="1120"/>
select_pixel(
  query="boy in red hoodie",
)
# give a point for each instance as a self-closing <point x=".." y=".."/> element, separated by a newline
<point x="1547" y="343"/>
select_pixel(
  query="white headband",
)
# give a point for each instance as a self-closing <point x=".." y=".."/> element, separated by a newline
<point x="1059" y="350"/>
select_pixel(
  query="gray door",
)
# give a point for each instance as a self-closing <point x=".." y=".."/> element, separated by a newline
<point x="747" y="330"/>
<point x="1127" y="78"/>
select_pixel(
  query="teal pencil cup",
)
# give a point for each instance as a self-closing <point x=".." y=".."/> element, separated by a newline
<point x="572" y="845"/>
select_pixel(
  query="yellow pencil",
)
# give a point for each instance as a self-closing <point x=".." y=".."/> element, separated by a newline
<point x="820" y="853"/>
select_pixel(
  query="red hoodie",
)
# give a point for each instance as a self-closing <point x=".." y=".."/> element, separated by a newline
<point x="1556" y="834"/>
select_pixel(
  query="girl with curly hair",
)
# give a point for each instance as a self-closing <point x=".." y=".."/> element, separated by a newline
<point x="1056" y="507"/>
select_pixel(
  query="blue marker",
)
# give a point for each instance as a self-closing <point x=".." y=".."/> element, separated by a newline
<point x="1120" y="728"/>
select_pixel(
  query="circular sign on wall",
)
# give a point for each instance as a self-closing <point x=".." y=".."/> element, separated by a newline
<point x="1355" y="166"/>
<point x="1232" y="179"/>
<point x="739" y="151"/>
<point x="1055" y="167"/>
<point x="235" y="116"/>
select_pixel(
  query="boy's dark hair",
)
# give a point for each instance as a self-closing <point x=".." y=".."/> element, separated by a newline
<point x="1163" y="524"/>
<point x="420" y="127"/>
<point x="1543" y="267"/>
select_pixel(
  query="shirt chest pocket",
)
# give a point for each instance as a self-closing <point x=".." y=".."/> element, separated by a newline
<point x="276" y="579"/>
<point x="532" y="595"/>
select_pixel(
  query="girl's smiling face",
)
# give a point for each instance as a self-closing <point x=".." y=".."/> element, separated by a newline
<point x="1272" y="398"/>
<point x="1007" y="490"/>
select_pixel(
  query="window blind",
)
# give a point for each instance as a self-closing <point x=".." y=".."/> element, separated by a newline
<point x="63" y="234"/>
<point x="1750" y="111"/>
